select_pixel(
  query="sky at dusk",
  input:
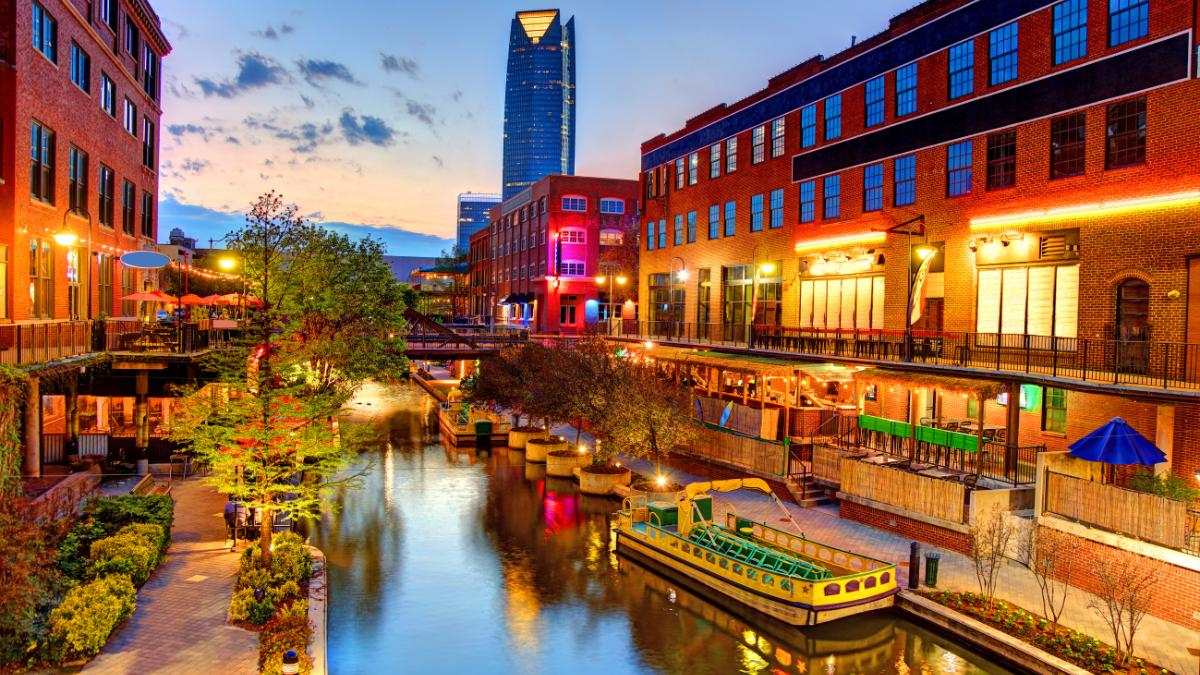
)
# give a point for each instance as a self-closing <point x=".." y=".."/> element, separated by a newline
<point x="374" y="115"/>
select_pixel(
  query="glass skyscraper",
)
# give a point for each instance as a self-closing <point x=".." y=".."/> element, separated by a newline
<point x="539" y="101"/>
<point x="474" y="211"/>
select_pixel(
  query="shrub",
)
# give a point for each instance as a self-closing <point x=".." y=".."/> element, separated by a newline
<point x="243" y="607"/>
<point x="285" y="591"/>
<point x="282" y="634"/>
<point x="129" y="552"/>
<point x="296" y="610"/>
<point x="250" y="559"/>
<point x="117" y="512"/>
<point x="151" y="533"/>
<point x="89" y="613"/>
<point x="290" y="560"/>
<point x="74" y="549"/>
<point x="255" y="577"/>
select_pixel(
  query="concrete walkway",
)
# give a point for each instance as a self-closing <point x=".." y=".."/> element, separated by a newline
<point x="1162" y="642"/>
<point x="179" y="625"/>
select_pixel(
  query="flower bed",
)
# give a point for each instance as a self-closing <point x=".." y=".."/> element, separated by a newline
<point x="1083" y="650"/>
<point x="274" y="601"/>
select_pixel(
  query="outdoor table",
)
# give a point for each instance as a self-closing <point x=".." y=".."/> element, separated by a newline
<point x="937" y="473"/>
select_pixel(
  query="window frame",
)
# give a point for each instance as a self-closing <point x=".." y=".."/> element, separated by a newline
<point x="960" y="69"/>
<point x="43" y="147"/>
<point x="873" y="187"/>
<point x="1058" y="411"/>
<point x="831" y="197"/>
<point x="714" y="222"/>
<point x="758" y="144"/>
<point x="610" y="201"/>
<point x="833" y="121"/>
<point x="77" y="180"/>
<point x="731" y="154"/>
<point x="563" y="203"/>
<point x="960" y="168"/>
<point x="81" y="68"/>
<point x="1004" y="64"/>
<point x="1112" y="137"/>
<point x="729" y="225"/>
<point x="776" y="206"/>
<point x="691" y="227"/>
<point x="40" y="21"/>
<point x="1142" y="24"/>
<point x="906" y="96"/>
<point x="106" y="187"/>
<point x="693" y="170"/>
<point x="108" y="95"/>
<point x="808" y="201"/>
<point x="778" y="137"/>
<point x="1068" y="156"/>
<point x="1001" y="172"/>
<point x="714" y="160"/>
<point x="1064" y="28"/>
<point x="808" y="126"/>
<point x="756" y="212"/>
<point x="875" y="102"/>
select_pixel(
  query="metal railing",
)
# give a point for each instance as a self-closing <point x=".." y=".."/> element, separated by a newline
<point x="1146" y="363"/>
<point x="133" y="335"/>
<point x="38" y="342"/>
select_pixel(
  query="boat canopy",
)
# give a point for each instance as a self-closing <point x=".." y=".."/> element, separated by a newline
<point x="730" y="485"/>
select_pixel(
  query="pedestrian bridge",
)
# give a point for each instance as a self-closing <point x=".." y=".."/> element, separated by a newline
<point x="428" y="339"/>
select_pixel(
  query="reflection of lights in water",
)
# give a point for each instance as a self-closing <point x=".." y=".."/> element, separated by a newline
<point x="950" y="663"/>
<point x="523" y="606"/>
<point x="831" y="665"/>
<point x="902" y="666"/>
<point x="559" y="511"/>
<point x="764" y="646"/>
<point x="595" y="545"/>
<point x="389" y="477"/>
<point x="749" y="637"/>
<point x="783" y="656"/>
<point x="751" y="661"/>
<point x="671" y="595"/>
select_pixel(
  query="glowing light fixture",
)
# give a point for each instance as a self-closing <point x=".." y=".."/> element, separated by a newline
<point x="1082" y="210"/>
<point x="621" y="281"/>
<point x="682" y="275"/>
<point x="766" y="268"/>
<point x="924" y="252"/>
<point x="601" y="279"/>
<point x="864" y="239"/>
<point x="648" y="344"/>
<point x="65" y="238"/>
<point x="661" y="480"/>
<point x="227" y="263"/>
<point x="535" y="24"/>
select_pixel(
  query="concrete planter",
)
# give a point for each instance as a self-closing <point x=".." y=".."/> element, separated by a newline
<point x="562" y="463"/>
<point x="648" y="490"/>
<point x="536" y="449"/>
<point x="519" y="436"/>
<point x="594" y="483"/>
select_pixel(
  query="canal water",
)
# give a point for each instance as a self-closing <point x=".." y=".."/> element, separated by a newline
<point x="450" y="561"/>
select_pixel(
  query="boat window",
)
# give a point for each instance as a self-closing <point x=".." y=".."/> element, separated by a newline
<point x="870" y="583"/>
<point x="832" y="589"/>
<point x="851" y="586"/>
<point x="752" y="574"/>
<point x="785" y="585"/>
<point x="737" y="569"/>
<point x="768" y="579"/>
<point x="697" y="552"/>
<point x="724" y="564"/>
<point x="885" y="577"/>
<point x="710" y="557"/>
<point x="687" y="549"/>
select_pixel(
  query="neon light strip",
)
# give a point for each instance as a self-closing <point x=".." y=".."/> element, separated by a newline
<point x="1081" y="210"/>
<point x="840" y="242"/>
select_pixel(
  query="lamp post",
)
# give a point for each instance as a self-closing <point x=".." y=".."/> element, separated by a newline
<point x="759" y="270"/>
<point x="67" y="238"/>
<point x="620" y="279"/>
<point x="681" y="276"/>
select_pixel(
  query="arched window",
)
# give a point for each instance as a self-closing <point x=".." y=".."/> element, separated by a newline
<point x="832" y="589"/>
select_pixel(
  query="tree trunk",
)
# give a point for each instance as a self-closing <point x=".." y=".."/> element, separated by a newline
<point x="265" y="530"/>
<point x="578" y="430"/>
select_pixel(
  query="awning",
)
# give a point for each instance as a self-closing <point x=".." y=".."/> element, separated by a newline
<point x="517" y="299"/>
<point x="960" y="385"/>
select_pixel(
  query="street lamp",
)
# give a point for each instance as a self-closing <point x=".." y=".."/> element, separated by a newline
<point x="681" y="276"/>
<point x="227" y="263"/>
<point x="620" y="279"/>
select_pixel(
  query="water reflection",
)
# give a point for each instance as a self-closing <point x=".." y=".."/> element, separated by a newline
<point x="455" y="561"/>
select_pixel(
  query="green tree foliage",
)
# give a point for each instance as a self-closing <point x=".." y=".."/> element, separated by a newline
<point x="13" y="384"/>
<point x="650" y="416"/>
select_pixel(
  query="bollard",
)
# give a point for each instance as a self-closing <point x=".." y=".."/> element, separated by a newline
<point x="914" y="565"/>
<point x="291" y="663"/>
<point x="931" y="568"/>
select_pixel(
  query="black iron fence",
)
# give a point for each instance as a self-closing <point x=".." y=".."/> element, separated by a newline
<point x="1166" y="365"/>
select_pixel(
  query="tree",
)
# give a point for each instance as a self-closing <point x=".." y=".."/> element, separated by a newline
<point x="29" y="574"/>
<point x="990" y="536"/>
<point x="1126" y="584"/>
<point x="268" y="426"/>
<point x="650" y="416"/>
<point x="502" y="382"/>
<point x="1050" y="555"/>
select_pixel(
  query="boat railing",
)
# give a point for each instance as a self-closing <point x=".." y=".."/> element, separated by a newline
<point x="814" y="550"/>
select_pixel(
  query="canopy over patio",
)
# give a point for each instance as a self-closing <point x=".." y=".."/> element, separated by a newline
<point x="982" y="389"/>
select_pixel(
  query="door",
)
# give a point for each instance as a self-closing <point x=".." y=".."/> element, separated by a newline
<point x="1133" y="326"/>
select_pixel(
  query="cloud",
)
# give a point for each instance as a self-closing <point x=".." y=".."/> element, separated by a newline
<point x="423" y="112"/>
<point x="438" y="160"/>
<point x="366" y="129"/>
<point x="400" y="64"/>
<point x="194" y="166"/>
<point x="316" y="71"/>
<point x="254" y="72"/>
<point x="308" y="102"/>
<point x="271" y="34"/>
<point x="232" y="140"/>
<point x="181" y="130"/>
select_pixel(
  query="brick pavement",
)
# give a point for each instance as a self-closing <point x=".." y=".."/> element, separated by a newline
<point x="179" y="625"/>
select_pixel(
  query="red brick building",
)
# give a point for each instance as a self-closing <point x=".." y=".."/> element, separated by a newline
<point x="1028" y="167"/>
<point x="80" y="102"/>
<point x="539" y="263"/>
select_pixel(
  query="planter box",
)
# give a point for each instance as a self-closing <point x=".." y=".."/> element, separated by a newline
<point x="536" y="449"/>
<point x="517" y="438"/>
<point x="562" y="463"/>
<point x="591" y="483"/>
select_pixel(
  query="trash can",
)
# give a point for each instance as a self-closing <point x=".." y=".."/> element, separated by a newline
<point x="931" y="568"/>
<point x="483" y="428"/>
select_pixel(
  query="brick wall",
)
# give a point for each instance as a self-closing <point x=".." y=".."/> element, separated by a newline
<point x="906" y="527"/>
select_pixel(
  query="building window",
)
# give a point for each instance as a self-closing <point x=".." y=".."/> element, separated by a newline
<point x="572" y="236"/>
<point x="693" y="167"/>
<point x="758" y="144"/>
<point x="128" y="202"/>
<point x="148" y="136"/>
<point x="904" y="177"/>
<point x="704" y="296"/>
<point x="714" y="161"/>
<point x="1070" y="31"/>
<point x="777" y="140"/>
<point x="874" y="98"/>
<point x="108" y="13"/>
<point x="731" y="155"/>
<point x="650" y="236"/>
<point x="1002" y="160"/>
<point x="1068" y="135"/>
<point x="132" y="37"/>
<point x="612" y="206"/>
<point x="571" y="268"/>
<point x="738" y="291"/>
<point x="808" y="201"/>
<point x="574" y="203"/>
<point x="107" y="188"/>
<point x="679" y="174"/>
<point x="808" y="126"/>
<point x="650" y="192"/>
<point x="662" y="233"/>
<point x="833" y="117"/>
<point x="1042" y="300"/>
<point x="958" y="168"/>
<point x="1002" y="53"/>
<point x="81" y="68"/>
<point x="833" y="197"/>
<point x="45" y="33"/>
<point x="1125" y="132"/>
<point x="108" y="95"/>
<point x="147" y="215"/>
<point x="41" y="163"/>
<point x="962" y="69"/>
<point x="1127" y="20"/>
<point x="130" y="118"/>
<point x="104" y="283"/>
<point x="906" y="90"/>
<point x="714" y="221"/>
<point x="691" y="227"/>
<point x="730" y="218"/>
<point x="150" y="67"/>
<point x="1054" y="410"/>
<point x="756" y="213"/>
<point x="41" y="279"/>
<point x="77" y="180"/>
<point x="776" y="208"/>
<point x="873" y="188"/>
<point x="845" y="303"/>
<point x="679" y="230"/>
<point x="542" y="205"/>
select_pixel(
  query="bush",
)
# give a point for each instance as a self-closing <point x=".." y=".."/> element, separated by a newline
<point x="243" y="607"/>
<point x="132" y="552"/>
<point x="285" y="591"/>
<point x="296" y="610"/>
<point x="89" y="613"/>
<point x="290" y="559"/>
<point x="250" y="559"/>
<point x="74" y="549"/>
<point x="255" y="577"/>
<point x="117" y="512"/>
<point x="151" y="533"/>
<point x="282" y="634"/>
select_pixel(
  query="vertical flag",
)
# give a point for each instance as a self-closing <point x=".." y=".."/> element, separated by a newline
<point x="917" y="302"/>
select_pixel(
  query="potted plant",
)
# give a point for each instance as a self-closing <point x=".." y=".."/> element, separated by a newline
<point x="653" y="418"/>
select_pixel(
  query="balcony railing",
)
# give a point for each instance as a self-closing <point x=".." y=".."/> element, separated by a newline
<point x="1162" y="365"/>
<point x="28" y="343"/>
<point x="24" y="344"/>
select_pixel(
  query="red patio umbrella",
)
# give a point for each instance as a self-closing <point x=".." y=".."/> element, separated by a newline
<point x="143" y="296"/>
<point x="192" y="299"/>
<point x="212" y="299"/>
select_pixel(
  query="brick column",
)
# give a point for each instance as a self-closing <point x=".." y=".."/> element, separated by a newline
<point x="1164" y="437"/>
<point x="141" y="418"/>
<point x="33" y="430"/>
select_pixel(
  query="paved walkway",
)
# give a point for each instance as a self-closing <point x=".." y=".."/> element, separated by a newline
<point x="179" y="625"/>
<point x="1163" y="642"/>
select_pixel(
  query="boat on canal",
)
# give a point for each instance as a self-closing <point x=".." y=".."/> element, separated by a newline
<point x="782" y="574"/>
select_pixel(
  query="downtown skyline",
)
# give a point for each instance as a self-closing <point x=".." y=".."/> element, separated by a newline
<point x="403" y="113"/>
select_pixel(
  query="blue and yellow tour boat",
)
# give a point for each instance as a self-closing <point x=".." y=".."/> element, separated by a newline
<point x="784" y="575"/>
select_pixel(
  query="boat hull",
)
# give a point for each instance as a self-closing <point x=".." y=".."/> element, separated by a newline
<point x="795" y="611"/>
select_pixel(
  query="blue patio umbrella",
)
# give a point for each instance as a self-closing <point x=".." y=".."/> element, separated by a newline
<point x="1117" y="443"/>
